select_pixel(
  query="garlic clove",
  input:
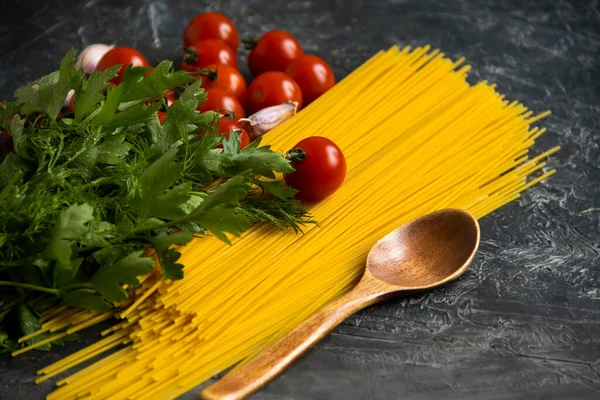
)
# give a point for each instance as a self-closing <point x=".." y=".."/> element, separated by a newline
<point x="268" y="118"/>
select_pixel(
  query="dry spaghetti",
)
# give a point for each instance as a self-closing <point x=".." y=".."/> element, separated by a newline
<point x="417" y="138"/>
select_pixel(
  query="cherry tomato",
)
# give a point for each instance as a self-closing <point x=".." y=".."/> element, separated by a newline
<point x="227" y="125"/>
<point x="225" y="77"/>
<point x="270" y="89"/>
<point x="273" y="52"/>
<point x="223" y="101"/>
<point x="170" y="98"/>
<point x="207" y="52"/>
<point x="313" y="75"/>
<point x="320" y="173"/>
<point x="124" y="56"/>
<point x="6" y="141"/>
<point x="211" y="25"/>
<point x="161" y="116"/>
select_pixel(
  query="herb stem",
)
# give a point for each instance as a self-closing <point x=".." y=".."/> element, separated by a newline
<point x="55" y="292"/>
<point x="79" y="286"/>
<point x="97" y="182"/>
<point x="146" y="229"/>
<point x="16" y="178"/>
<point x="6" y="265"/>
<point x="24" y="261"/>
<point x="8" y="306"/>
<point x="76" y="155"/>
<point x="133" y="235"/>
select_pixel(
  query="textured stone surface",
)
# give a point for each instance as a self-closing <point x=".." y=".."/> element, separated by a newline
<point x="524" y="322"/>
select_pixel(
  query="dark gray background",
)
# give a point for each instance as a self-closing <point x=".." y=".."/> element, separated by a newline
<point x="523" y="323"/>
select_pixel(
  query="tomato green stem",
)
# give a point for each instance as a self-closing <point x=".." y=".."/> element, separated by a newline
<point x="190" y="56"/>
<point x="295" y="155"/>
<point x="211" y="73"/>
<point x="250" y="42"/>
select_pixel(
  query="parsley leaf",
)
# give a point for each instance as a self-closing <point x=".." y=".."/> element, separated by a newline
<point x="167" y="205"/>
<point x="261" y="160"/>
<point x="88" y="97"/>
<point x="8" y="111"/>
<point x="106" y="112"/>
<point x="167" y="256"/>
<point x="109" y="279"/>
<point x="11" y="168"/>
<point x="276" y="188"/>
<point x="29" y="323"/>
<point x="160" y="80"/>
<point x="86" y="298"/>
<point x="134" y="115"/>
<point x="48" y="93"/>
<point x="155" y="180"/>
<point x="69" y="226"/>
<point x="232" y="144"/>
<point x="223" y="219"/>
<point x="229" y="193"/>
<point x="16" y="131"/>
<point x="179" y="114"/>
<point x="6" y="344"/>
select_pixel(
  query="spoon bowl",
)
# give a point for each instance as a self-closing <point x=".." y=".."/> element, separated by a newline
<point x="422" y="254"/>
<point x="426" y="252"/>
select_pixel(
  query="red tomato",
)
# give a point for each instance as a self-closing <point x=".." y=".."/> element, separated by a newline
<point x="211" y="25"/>
<point x="124" y="56"/>
<point x="270" y="89"/>
<point x="273" y="52"/>
<point x="170" y="97"/>
<point x="6" y="141"/>
<point x="161" y="116"/>
<point x="227" y="125"/>
<point x="223" y="101"/>
<point x="207" y="52"/>
<point x="225" y="77"/>
<point x="313" y="75"/>
<point x="320" y="173"/>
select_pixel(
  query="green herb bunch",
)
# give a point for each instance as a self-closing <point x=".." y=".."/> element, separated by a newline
<point x="84" y="195"/>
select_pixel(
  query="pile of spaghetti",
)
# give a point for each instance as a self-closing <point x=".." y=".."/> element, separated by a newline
<point x="417" y="138"/>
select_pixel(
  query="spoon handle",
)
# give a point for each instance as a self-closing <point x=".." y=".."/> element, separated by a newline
<point x="247" y="379"/>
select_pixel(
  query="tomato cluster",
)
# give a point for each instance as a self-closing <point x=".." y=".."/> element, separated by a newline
<point x="282" y="72"/>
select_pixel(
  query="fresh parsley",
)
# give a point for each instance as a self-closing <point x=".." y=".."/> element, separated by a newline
<point x="83" y="195"/>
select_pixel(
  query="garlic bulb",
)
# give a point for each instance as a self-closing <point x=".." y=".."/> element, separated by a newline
<point x="89" y="57"/>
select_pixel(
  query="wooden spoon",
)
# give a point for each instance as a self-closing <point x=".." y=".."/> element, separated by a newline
<point x="423" y="254"/>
